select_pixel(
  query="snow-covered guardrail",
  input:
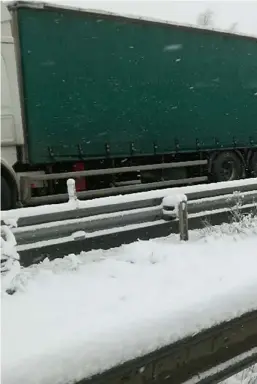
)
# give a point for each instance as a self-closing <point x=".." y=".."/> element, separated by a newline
<point x="210" y="356"/>
<point x="83" y="226"/>
<point x="77" y="209"/>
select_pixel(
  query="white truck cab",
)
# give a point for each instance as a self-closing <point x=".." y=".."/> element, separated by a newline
<point x="12" y="134"/>
<point x="13" y="141"/>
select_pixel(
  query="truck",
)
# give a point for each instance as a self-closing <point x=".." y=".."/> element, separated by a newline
<point x="120" y="104"/>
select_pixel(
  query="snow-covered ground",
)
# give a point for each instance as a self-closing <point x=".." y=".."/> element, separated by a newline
<point x="83" y="314"/>
<point x="75" y="317"/>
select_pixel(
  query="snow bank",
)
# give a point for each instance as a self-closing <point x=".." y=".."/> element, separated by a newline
<point x="84" y="314"/>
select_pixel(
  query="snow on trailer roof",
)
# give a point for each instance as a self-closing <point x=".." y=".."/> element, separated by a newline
<point x="81" y="315"/>
<point x="132" y="17"/>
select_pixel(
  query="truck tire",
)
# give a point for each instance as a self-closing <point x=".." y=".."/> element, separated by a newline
<point x="227" y="166"/>
<point x="253" y="165"/>
<point x="6" y="195"/>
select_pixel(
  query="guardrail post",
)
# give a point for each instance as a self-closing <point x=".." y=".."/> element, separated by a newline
<point x="175" y="207"/>
<point x="71" y="186"/>
<point x="183" y="220"/>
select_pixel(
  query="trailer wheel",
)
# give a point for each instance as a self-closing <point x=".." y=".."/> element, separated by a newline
<point x="253" y="164"/>
<point x="6" y="195"/>
<point x="227" y="166"/>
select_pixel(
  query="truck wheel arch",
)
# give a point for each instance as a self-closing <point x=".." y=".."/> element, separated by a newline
<point x="10" y="178"/>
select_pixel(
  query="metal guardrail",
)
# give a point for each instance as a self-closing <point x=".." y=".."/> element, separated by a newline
<point x="192" y="356"/>
<point x="58" y="248"/>
<point x="90" y="220"/>
<point x="138" y="202"/>
<point x="110" y="226"/>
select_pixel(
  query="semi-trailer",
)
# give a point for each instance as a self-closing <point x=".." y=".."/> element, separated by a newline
<point x="121" y="103"/>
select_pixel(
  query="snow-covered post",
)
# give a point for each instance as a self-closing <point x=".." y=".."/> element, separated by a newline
<point x="71" y="186"/>
<point x="10" y="265"/>
<point x="183" y="220"/>
<point x="175" y="207"/>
